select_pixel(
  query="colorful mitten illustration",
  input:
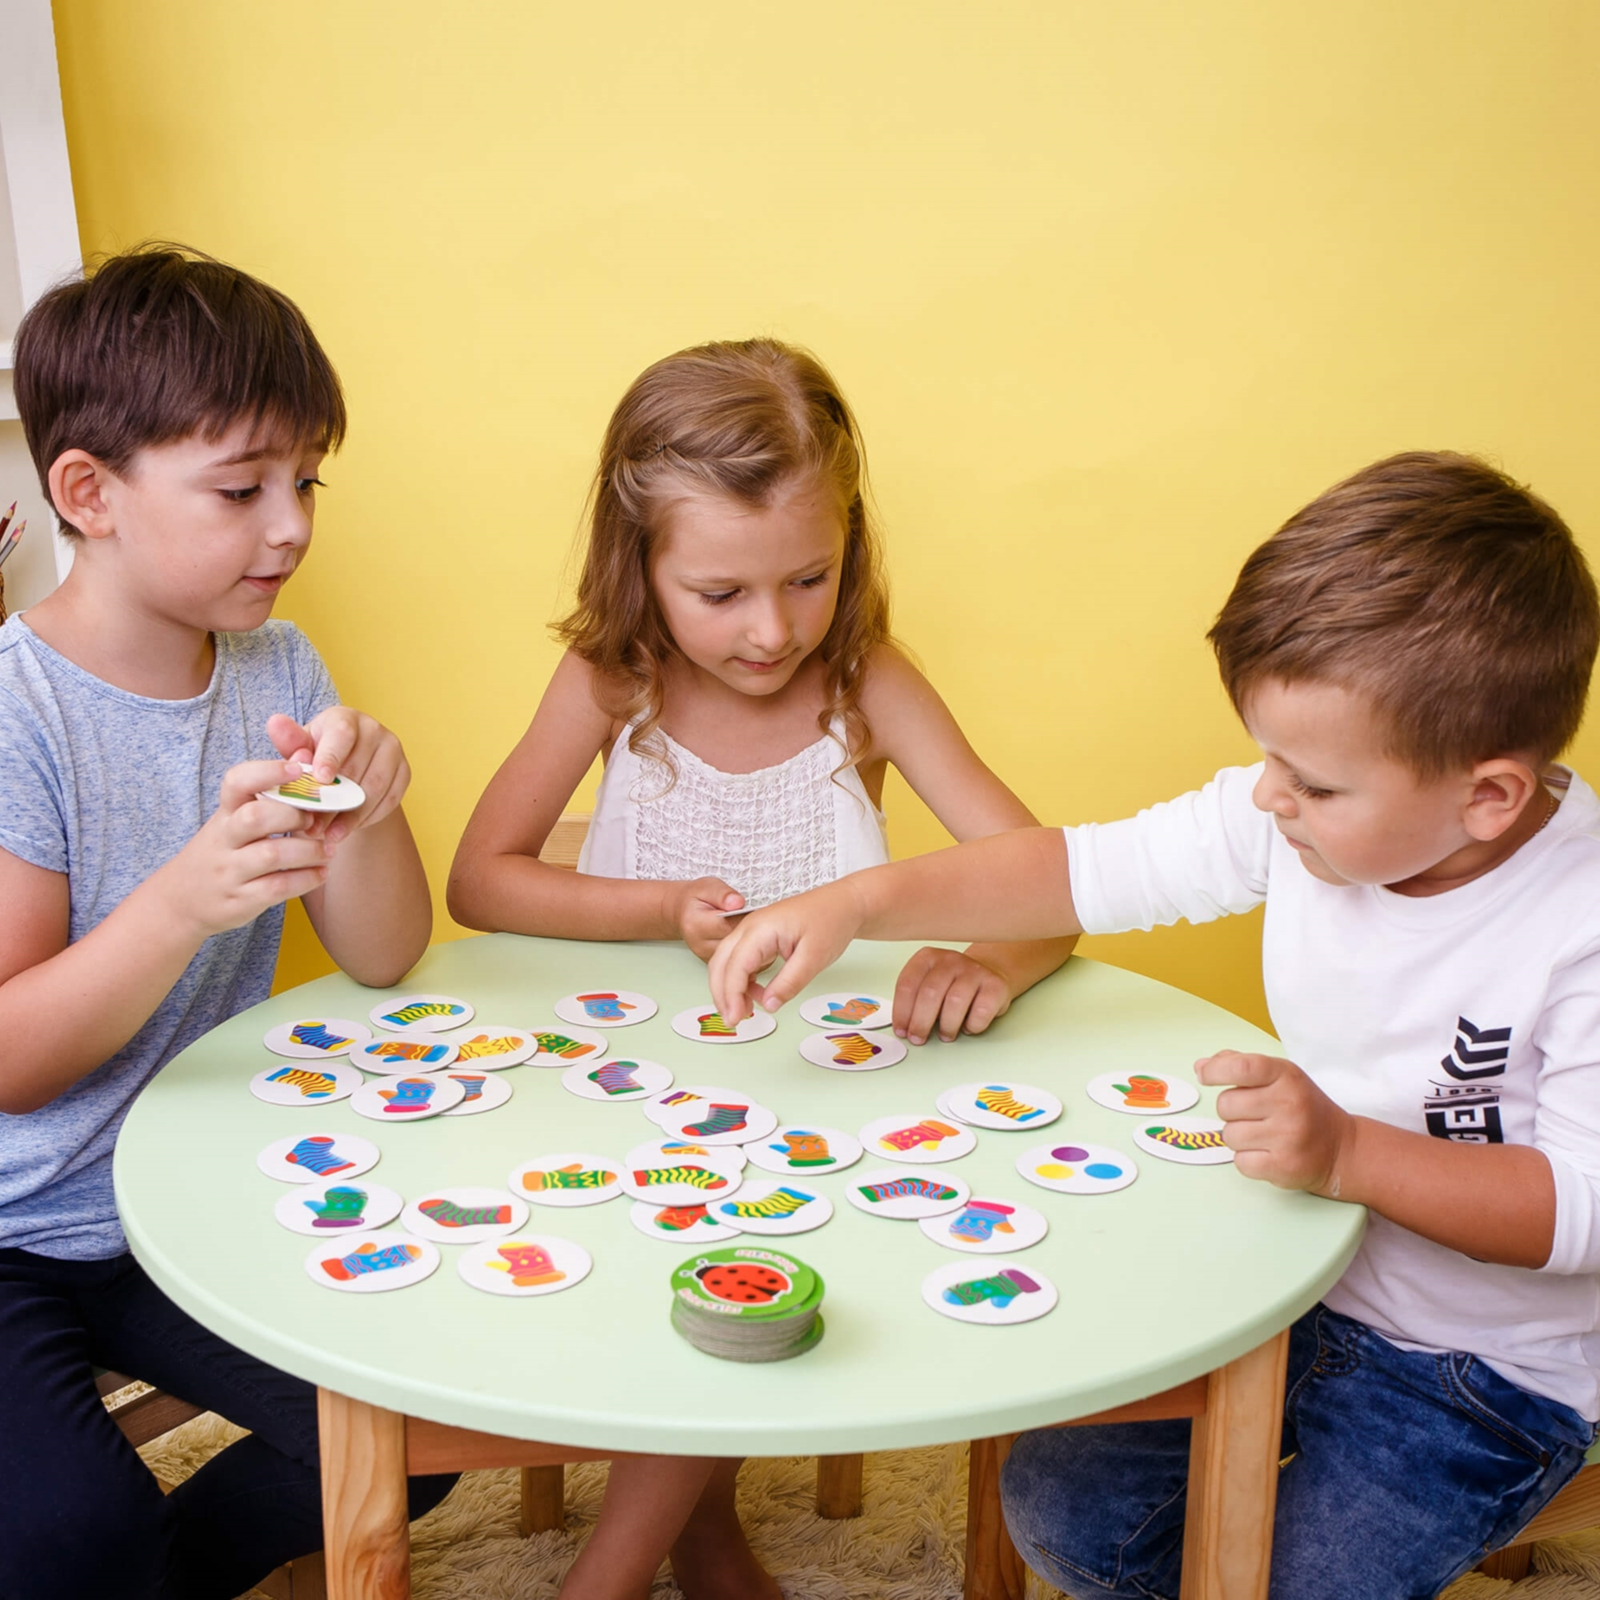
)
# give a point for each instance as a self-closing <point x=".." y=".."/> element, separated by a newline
<point x="1185" y="1138"/>
<point x="803" y="1149"/>
<point x="417" y="1010"/>
<point x="677" y="1219"/>
<point x="720" y="1119"/>
<point x="713" y="1027"/>
<point x="695" y="1177"/>
<point x="780" y="1203"/>
<point x="605" y="1007"/>
<point x="841" y="1013"/>
<point x="851" y="1049"/>
<point x="743" y="1283"/>
<point x="408" y="1096"/>
<point x="483" y="1045"/>
<point x="404" y="1050"/>
<point x="979" y="1220"/>
<point x="316" y="1037"/>
<point x="1143" y="1093"/>
<point x="369" y="1258"/>
<point x="571" y="1176"/>
<point x="316" y="1154"/>
<point x="528" y="1264"/>
<point x="472" y="1082"/>
<point x="449" y="1215"/>
<point x="996" y="1098"/>
<point x="616" y="1077"/>
<point x="907" y="1189"/>
<point x="313" y="1085"/>
<point x="1002" y="1289"/>
<point x="558" y="1044"/>
<point x="339" y="1207"/>
<point x="928" y="1133"/>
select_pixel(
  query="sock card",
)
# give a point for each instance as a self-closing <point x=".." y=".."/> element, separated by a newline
<point x="617" y="1078"/>
<point x="1190" y="1141"/>
<point x="706" y="1025"/>
<point x="1003" y="1105"/>
<point x="993" y="1295"/>
<point x="306" y="794"/>
<point x="421" y="1013"/>
<point x="316" y="1038"/>
<point x="851" y="1050"/>
<point x="734" y="1121"/>
<point x="905" y="1196"/>
<point x="773" y="1207"/>
<point x="483" y="1091"/>
<point x="306" y="1084"/>
<point x="318" y="1157"/>
<point x="463" y="1215"/>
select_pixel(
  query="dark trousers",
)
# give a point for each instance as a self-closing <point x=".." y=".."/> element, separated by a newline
<point x="81" y="1517"/>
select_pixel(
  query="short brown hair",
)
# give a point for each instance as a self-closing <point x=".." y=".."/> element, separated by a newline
<point x="160" y="343"/>
<point x="1453" y="597"/>
<point x="735" y="418"/>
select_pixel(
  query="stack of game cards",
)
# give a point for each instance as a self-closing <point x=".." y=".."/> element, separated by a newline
<point x="746" y="1303"/>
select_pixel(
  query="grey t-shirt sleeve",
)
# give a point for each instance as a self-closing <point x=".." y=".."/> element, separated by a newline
<point x="32" y="823"/>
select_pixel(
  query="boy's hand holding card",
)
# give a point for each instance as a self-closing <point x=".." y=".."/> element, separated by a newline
<point x="1281" y="1126"/>
<point x="343" y="742"/>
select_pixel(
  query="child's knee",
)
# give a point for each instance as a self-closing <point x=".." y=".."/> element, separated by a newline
<point x="90" y="1544"/>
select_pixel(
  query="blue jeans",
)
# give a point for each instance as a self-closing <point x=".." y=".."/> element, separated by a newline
<point x="1407" y="1469"/>
<point x="81" y="1518"/>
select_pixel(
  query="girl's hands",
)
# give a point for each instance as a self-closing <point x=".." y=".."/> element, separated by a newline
<point x="810" y="932"/>
<point x="342" y="742"/>
<point x="699" y="908"/>
<point x="1280" y="1124"/>
<point x="947" y="990"/>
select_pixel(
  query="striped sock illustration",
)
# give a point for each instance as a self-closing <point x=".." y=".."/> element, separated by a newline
<point x="780" y="1203"/>
<point x="313" y="1085"/>
<point x="316" y="1154"/>
<point x="996" y="1097"/>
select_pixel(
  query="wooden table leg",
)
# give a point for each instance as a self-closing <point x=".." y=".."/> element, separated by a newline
<point x="544" y="1500"/>
<point x="839" y="1486"/>
<point x="994" y="1569"/>
<point x="365" y="1529"/>
<point x="1233" y="1478"/>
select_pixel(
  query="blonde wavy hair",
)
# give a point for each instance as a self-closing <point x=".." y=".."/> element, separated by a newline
<point x="735" y="418"/>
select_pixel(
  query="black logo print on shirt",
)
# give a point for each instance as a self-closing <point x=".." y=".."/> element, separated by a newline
<point x="1467" y="1107"/>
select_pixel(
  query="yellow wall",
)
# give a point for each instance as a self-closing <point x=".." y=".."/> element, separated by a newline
<point x="1113" y="289"/>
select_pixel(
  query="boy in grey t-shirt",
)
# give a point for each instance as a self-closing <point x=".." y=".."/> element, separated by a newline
<point x="178" y="412"/>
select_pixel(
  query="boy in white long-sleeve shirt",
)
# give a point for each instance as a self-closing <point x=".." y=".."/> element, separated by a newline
<point x="1411" y="651"/>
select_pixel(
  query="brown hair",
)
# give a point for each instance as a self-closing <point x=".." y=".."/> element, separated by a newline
<point x="740" y="419"/>
<point x="161" y="343"/>
<point x="1454" y="598"/>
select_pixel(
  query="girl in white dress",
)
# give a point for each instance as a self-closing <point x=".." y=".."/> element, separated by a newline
<point x="730" y="655"/>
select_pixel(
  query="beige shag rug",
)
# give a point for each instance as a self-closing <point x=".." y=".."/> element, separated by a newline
<point x="908" y="1545"/>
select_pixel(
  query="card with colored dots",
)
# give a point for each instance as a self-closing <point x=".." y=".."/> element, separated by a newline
<point x="1072" y="1168"/>
<point x="306" y="794"/>
<point x="316" y="1083"/>
<point x="482" y="1090"/>
<point x="371" y="1263"/>
<point x="528" y="1265"/>
<point x="736" y="1121"/>
<point x="606" y="1008"/>
<point x="917" y="1139"/>
<point x="993" y="1295"/>
<point x="1142" y="1094"/>
<point x="491" y="1048"/>
<point x="316" y="1038"/>
<point x="617" y="1078"/>
<point x="566" y="1179"/>
<point x="777" y="1206"/>
<point x="318" y="1157"/>
<point x="843" y="1008"/>
<point x="664" y="1107"/>
<point x="987" y="1226"/>
<point x="561" y="1047"/>
<point x="905" y="1196"/>
<point x="336" y="1207"/>
<point x="413" y="1099"/>
<point x="421" y="1013"/>
<point x="464" y="1215"/>
<point x="691" y="1224"/>
<point x="1190" y="1141"/>
<point x="1007" y="1107"/>
<point x="404" y="1052"/>
<point x="728" y="1156"/>
<point x="706" y="1025"/>
<point x="676" y="1180"/>
<point x="850" y="1050"/>
<point x="805" y="1151"/>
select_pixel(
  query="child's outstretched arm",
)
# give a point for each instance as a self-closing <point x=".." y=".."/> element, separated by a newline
<point x="1006" y="887"/>
<point x="373" y="914"/>
<point x="499" y="884"/>
<point x="941" y="990"/>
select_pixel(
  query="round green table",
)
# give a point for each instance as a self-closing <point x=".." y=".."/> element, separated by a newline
<point x="1192" y="1273"/>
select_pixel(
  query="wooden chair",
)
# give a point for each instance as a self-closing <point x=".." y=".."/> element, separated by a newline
<point x="1575" y="1508"/>
<point x="144" y="1414"/>
<point x="543" y="1488"/>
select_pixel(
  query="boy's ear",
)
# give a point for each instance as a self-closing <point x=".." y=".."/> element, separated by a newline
<point x="78" y="484"/>
<point x="1502" y="789"/>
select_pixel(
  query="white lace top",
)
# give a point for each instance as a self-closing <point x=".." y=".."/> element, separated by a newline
<point x="769" y="834"/>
